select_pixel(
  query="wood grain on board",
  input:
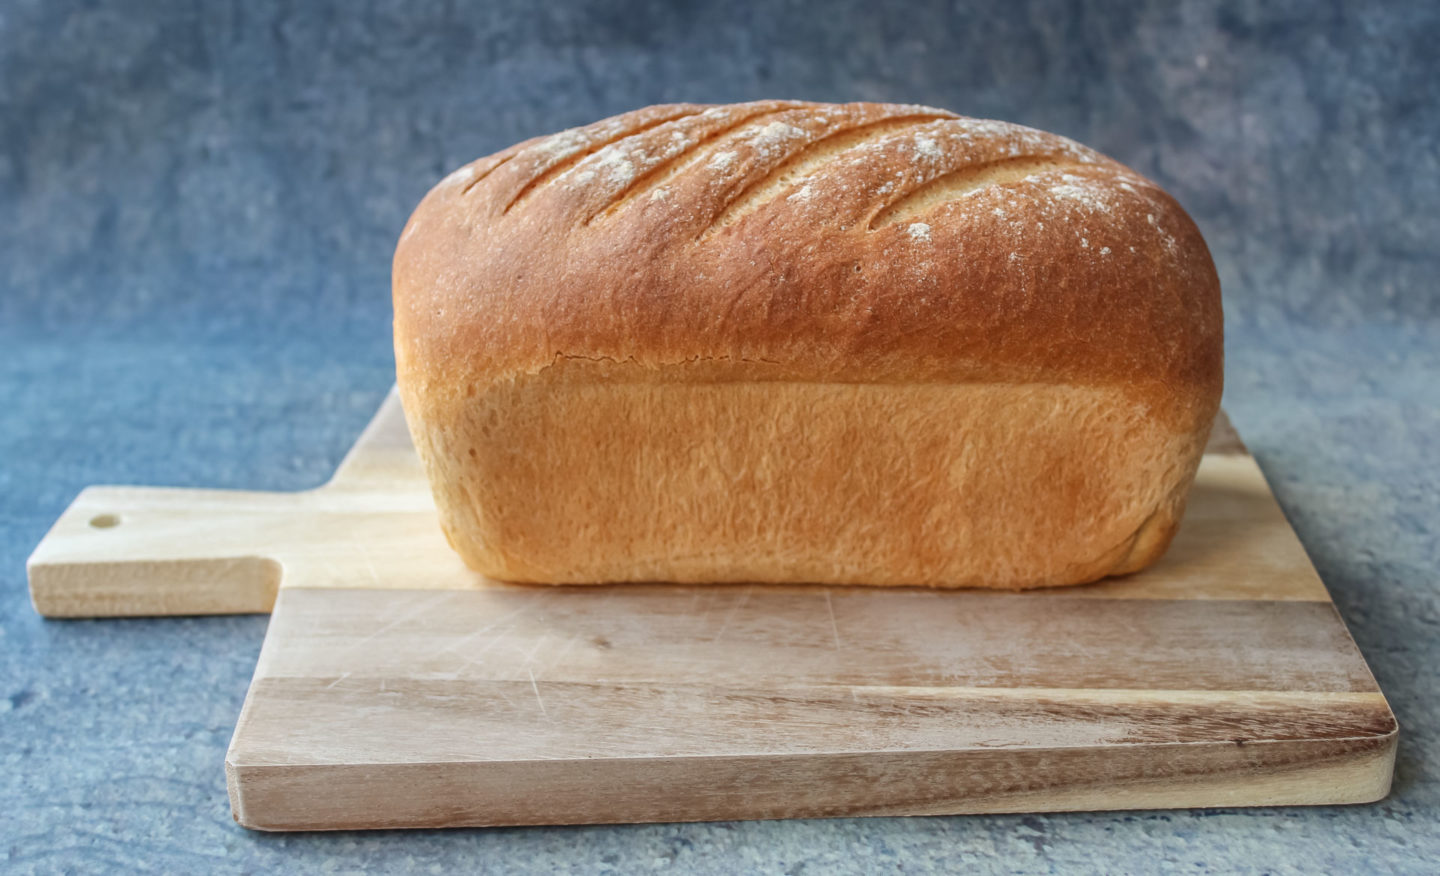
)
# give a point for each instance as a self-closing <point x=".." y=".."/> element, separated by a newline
<point x="398" y="689"/>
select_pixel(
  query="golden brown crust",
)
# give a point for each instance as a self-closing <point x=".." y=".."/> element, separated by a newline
<point x="783" y="241"/>
<point x="1083" y="273"/>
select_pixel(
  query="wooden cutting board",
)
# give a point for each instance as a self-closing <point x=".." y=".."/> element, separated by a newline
<point x="397" y="689"/>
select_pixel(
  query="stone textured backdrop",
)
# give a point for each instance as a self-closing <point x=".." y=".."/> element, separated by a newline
<point x="224" y="162"/>
<point x="198" y="203"/>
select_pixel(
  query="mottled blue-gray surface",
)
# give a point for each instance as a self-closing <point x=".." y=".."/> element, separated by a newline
<point x="197" y="206"/>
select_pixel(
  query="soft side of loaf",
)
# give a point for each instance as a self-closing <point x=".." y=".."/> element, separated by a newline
<point x="797" y="342"/>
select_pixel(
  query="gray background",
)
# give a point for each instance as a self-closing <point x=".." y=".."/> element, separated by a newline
<point x="198" y="202"/>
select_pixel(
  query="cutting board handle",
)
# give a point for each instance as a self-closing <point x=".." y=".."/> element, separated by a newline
<point x="139" y="551"/>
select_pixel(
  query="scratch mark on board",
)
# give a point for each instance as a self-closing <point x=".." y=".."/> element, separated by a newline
<point x="530" y="655"/>
<point x="530" y="605"/>
<point x="536" y="687"/>
<point x="425" y="605"/>
<point x="500" y="692"/>
<point x="734" y="610"/>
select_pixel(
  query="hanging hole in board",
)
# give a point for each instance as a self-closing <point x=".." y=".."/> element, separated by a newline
<point x="105" y="521"/>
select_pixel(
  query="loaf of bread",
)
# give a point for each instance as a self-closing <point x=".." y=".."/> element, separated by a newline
<point x="798" y="342"/>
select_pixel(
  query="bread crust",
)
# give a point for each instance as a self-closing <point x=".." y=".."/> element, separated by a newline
<point x="805" y="243"/>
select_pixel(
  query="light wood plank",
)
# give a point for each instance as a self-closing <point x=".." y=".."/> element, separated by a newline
<point x="300" y="721"/>
<point x="842" y="636"/>
<point x="583" y="705"/>
<point x="598" y="791"/>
